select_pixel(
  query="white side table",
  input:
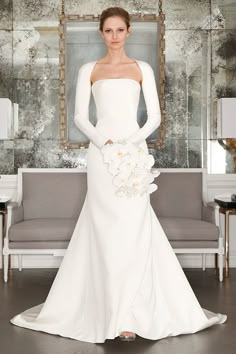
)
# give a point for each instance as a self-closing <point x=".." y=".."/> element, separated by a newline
<point x="3" y="215"/>
<point x="227" y="207"/>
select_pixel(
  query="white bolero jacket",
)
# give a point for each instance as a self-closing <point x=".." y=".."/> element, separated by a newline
<point x="82" y="99"/>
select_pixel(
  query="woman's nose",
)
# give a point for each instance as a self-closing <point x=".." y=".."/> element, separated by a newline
<point x="114" y="35"/>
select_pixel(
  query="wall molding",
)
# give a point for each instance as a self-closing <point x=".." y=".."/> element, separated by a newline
<point x="7" y="180"/>
<point x="8" y="186"/>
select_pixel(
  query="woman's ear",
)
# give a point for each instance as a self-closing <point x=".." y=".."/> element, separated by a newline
<point x="101" y="33"/>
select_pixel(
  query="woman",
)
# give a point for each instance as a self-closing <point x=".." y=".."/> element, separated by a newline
<point x="111" y="281"/>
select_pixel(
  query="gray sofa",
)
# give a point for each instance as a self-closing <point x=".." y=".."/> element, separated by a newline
<point x="49" y="202"/>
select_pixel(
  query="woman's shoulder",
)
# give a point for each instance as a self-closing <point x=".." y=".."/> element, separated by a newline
<point x="145" y="68"/>
<point x="144" y="65"/>
<point x="87" y="66"/>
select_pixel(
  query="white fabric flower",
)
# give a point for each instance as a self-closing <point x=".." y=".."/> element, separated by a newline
<point x="113" y="166"/>
<point x="127" y="163"/>
<point x="120" y="180"/>
<point x="130" y="167"/>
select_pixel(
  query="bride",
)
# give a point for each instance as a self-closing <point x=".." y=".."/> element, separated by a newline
<point x="111" y="281"/>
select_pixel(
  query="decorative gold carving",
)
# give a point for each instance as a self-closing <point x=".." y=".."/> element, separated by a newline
<point x="63" y="7"/>
<point x="160" y="7"/>
<point x="230" y="144"/>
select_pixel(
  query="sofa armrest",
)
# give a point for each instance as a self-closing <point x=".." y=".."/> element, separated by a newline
<point x="208" y="212"/>
<point x="15" y="213"/>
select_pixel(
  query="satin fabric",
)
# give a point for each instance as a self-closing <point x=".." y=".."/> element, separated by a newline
<point x="119" y="271"/>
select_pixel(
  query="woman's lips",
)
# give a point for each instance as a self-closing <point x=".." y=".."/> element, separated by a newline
<point x="114" y="42"/>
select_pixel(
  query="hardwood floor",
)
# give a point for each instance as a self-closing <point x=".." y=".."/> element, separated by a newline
<point x="30" y="287"/>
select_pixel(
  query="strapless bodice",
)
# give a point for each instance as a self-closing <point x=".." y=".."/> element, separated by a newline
<point x="120" y="78"/>
<point x="116" y="101"/>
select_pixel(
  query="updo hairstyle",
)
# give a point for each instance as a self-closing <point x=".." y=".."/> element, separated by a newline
<point x="114" y="11"/>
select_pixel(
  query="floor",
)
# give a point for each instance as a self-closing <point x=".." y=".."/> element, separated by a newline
<point x="30" y="287"/>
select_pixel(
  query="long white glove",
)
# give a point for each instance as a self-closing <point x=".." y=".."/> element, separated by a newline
<point x="152" y="105"/>
<point x="82" y="98"/>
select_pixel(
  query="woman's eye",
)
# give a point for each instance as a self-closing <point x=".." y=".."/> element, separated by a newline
<point x="120" y="30"/>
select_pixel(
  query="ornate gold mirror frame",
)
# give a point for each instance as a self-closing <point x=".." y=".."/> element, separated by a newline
<point x="85" y="28"/>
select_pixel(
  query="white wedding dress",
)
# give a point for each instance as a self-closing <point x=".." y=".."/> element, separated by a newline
<point x="119" y="272"/>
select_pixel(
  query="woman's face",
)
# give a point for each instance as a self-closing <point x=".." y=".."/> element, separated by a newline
<point x="115" y="32"/>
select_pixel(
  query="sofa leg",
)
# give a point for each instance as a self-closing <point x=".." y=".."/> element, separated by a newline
<point x="20" y="262"/>
<point x="216" y="261"/>
<point x="221" y="266"/>
<point x="203" y="261"/>
<point x="5" y="265"/>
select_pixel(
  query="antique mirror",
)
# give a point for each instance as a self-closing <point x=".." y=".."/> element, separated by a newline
<point x="81" y="42"/>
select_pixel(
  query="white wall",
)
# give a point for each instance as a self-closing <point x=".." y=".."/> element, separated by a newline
<point x="216" y="184"/>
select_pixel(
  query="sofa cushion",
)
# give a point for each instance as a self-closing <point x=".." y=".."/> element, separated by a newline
<point x="177" y="229"/>
<point x="43" y="230"/>
<point x="39" y="245"/>
<point x="179" y="194"/>
<point x="53" y="194"/>
<point x="194" y="244"/>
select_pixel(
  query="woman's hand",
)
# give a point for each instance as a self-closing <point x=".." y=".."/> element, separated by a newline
<point x="108" y="142"/>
